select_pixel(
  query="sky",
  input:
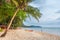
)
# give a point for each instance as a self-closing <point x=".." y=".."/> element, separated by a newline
<point x="50" y="10"/>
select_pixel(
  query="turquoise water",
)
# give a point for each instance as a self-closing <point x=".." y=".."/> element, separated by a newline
<point x="55" y="31"/>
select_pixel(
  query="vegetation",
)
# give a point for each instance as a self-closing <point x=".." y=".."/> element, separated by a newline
<point x="1" y="30"/>
<point x="14" y="12"/>
<point x="7" y="10"/>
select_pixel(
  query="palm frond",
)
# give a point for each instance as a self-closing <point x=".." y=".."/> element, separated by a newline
<point x="34" y="12"/>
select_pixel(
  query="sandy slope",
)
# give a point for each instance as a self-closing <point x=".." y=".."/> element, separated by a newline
<point x="26" y="35"/>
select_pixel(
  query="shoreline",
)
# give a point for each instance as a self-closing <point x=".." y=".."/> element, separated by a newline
<point x="53" y="31"/>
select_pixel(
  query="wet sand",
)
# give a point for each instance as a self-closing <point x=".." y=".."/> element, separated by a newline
<point x="28" y="35"/>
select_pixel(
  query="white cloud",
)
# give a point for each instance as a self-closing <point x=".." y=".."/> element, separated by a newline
<point x="48" y="8"/>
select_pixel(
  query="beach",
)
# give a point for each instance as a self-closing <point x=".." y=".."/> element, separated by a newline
<point x="20" y="34"/>
<point x="50" y="30"/>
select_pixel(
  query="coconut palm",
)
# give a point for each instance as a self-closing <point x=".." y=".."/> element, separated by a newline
<point x="19" y="10"/>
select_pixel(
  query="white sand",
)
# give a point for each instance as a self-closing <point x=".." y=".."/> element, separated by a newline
<point x="26" y="35"/>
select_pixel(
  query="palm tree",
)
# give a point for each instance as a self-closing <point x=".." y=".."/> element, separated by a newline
<point x="21" y="6"/>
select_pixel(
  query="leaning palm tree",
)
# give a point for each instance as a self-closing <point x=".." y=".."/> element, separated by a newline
<point x="22" y="7"/>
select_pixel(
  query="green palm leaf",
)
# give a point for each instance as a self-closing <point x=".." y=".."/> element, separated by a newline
<point x="34" y="12"/>
<point x="7" y="11"/>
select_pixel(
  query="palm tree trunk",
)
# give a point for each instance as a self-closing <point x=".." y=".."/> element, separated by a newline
<point x="10" y="23"/>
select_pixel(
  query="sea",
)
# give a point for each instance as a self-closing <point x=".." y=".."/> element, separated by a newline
<point x="50" y="30"/>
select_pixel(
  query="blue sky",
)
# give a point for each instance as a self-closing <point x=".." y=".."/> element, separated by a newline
<point x="50" y="10"/>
